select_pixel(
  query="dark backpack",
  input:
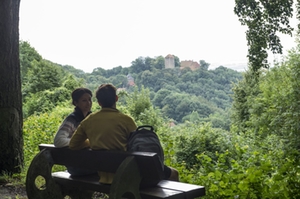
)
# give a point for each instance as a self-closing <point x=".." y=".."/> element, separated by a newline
<point x="144" y="139"/>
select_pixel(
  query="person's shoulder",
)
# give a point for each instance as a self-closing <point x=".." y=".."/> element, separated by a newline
<point x="71" y="117"/>
<point x="122" y="114"/>
<point x="91" y="116"/>
<point x="127" y="117"/>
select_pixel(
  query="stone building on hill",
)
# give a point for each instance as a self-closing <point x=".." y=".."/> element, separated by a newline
<point x="169" y="61"/>
<point x="189" y="64"/>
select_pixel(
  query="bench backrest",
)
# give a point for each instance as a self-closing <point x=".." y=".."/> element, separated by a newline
<point x="107" y="161"/>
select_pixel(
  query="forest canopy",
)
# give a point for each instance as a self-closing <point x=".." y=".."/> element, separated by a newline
<point x="181" y="94"/>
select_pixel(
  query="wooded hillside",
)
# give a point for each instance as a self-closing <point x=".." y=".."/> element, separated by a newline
<point x="181" y="94"/>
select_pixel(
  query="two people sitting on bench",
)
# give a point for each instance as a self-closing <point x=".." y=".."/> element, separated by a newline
<point x="108" y="129"/>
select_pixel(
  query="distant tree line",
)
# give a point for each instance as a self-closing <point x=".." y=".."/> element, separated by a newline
<point x="181" y="94"/>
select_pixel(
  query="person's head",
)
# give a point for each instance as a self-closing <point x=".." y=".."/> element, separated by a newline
<point x="82" y="98"/>
<point x="106" y="95"/>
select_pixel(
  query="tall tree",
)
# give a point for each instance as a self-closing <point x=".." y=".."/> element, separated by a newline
<point x="265" y="20"/>
<point x="11" y="142"/>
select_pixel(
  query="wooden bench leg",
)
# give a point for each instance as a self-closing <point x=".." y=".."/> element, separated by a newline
<point x="126" y="180"/>
<point x="39" y="182"/>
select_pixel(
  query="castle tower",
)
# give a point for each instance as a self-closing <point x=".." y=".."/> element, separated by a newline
<point x="169" y="61"/>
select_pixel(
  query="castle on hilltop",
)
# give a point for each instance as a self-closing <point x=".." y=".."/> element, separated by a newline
<point x="170" y="63"/>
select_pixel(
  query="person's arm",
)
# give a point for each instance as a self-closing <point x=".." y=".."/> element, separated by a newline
<point x="63" y="135"/>
<point x="79" y="139"/>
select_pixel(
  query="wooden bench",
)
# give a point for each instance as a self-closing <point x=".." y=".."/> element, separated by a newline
<point x="137" y="175"/>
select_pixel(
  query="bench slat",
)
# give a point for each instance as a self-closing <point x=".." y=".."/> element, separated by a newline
<point x="191" y="190"/>
<point x="91" y="182"/>
<point x="159" y="193"/>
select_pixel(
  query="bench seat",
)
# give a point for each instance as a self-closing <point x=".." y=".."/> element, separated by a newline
<point x="164" y="189"/>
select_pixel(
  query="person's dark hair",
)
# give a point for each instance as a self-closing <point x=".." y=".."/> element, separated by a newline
<point x="78" y="92"/>
<point x="106" y="95"/>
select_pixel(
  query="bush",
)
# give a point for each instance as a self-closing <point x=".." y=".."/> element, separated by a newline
<point x="38" y="129"/>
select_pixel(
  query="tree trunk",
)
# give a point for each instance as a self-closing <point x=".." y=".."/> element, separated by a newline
<point x="11" y="119"/>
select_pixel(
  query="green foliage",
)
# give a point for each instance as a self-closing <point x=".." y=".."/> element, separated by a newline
<point x="99" y="71"/>
<point x="120" y="81"/>
<point x="139" y="106"/>
<point x="207" y="92"/>
<point x="275" y="109"/>
<point x="39" y="129"/>
<point x="94" y="81"/>
<point x="116" y="71"/>
<point x="45" y="101"/>
<point x="243" y="170"/>
<point x="228" y="165"/>
<point x="160" y="96"/>
<point x="244" y="93"/>
<point x="70" y="83"/>
<point x="204" y="64"/>
<point x="43" y="75"/>
<point x="257" y="158"/>
<point x="196" y="138"/>
<point x="27" y="56"/>
<point x="180" y="105"/>
<point x="193" y="117"/>
<point x="44" y="84"/>
<point x="265" y="113"/>
<point x="141" y="64"/>
<point x="265" y="20"/>
<point x="147" y="78"/>
<point x="177" y="61"/>
<point x="219" y="119"/>
<point x="76" y="72"/>
<point x="159" y="63"/>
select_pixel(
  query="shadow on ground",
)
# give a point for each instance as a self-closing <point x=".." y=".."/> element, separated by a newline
<point x="8" y="191"/>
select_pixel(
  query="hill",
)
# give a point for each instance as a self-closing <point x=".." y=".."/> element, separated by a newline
<point x="182" y="94"/>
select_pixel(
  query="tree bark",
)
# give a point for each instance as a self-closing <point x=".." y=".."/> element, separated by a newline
<point x="11" y="119"/>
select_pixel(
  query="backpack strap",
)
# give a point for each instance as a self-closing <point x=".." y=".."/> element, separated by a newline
<point x="145" y="126"/>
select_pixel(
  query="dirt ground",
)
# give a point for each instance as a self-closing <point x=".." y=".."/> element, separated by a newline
<point x="8" y="191"/>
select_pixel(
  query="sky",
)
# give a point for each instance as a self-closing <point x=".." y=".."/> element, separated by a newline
<point x="111" y="33"/>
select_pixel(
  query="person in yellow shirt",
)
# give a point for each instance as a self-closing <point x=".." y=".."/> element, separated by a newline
<point x="107" y="129"/>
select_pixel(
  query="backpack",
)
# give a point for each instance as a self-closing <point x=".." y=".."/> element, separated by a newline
<point x="144" y="139"/>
